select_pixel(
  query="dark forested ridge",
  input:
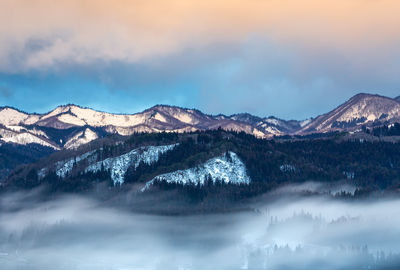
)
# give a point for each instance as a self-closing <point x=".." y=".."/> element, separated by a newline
<point x="369" y="165"/>
<point x="12" y="155"/>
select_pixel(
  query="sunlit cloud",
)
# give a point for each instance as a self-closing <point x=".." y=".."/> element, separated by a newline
<point x="43" y="33"/>
<point x="218" y="51"/>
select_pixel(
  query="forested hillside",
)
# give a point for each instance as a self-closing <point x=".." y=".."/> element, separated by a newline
<point x="269" y="163"/>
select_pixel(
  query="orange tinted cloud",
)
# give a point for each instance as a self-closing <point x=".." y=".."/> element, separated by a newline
<point x="43" y="33"/>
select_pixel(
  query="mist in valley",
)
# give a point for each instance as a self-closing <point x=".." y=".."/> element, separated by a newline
<point x="78" y="232"/>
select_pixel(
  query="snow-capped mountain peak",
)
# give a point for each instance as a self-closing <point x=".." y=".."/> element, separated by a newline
<point x="361" y="109"/>
<point x="77" y="125"/>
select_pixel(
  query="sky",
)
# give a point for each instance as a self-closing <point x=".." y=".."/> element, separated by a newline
<point x="293" y="59"/>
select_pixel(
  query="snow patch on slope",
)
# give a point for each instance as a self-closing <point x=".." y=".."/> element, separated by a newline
<point x="24" y="138"/>
<point x="96" y="118"/>
<point x="305" y="122"/>
<point x="82" y="137"/>
<point x="182" y="115"/>
<point x="39" y="132"/>
<point x="71" y="119"/>
<point x="63" y="168"/>
<point x="9" y="116"/>
<point x="16" y="128"/>
<point x="160" y="117"/>
<point x="227" y="168"/>
<point x="118" y="166"/>
<point x="185" y="118"/>
<point x="272" y="121"/>
<point x="78" y="116"/>
<point x="272" y="130"/>
<point x="258" y="133"/>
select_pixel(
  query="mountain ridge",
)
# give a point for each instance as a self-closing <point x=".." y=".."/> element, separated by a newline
<point x="397" y="98"/>
<point x="361" y="109"/>
<point x="17" y="126"/>
<point x="211" y="160"/>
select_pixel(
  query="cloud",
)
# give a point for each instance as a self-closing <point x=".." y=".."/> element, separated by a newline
<point x="265" y="57"/>
<point x="43" y="34"/>
<point x="73" y="232"/>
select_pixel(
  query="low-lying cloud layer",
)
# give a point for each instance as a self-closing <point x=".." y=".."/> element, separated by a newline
<point x="77" y="233"/>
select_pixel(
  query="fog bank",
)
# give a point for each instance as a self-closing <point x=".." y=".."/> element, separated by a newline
<point x="315" y="233"/>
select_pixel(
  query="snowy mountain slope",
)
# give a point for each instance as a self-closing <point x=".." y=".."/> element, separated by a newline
<point x="246" y="118"/>
<point x="156" y="119"/>
<point x="268" y="126"/>
<point x="282" y="127"/>
<point x="180" y="115"/>
<point x="119" y="165"/>
<point x="175" y="119"/>
<point x="77" y="116"/>
<point x="305" y="122"/>
<point x="64" y="167"/>
<point x="227" y="168"/>
<point x="362" y="109"/>
<point x="77" y="126"/>
<point x="19" y="135"/>
<point x="10" y="116"/>
<point x="80" y="138"/>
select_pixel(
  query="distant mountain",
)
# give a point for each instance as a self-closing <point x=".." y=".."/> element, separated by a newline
<point x="360" y="110"/>
<point x="69" y="126"/>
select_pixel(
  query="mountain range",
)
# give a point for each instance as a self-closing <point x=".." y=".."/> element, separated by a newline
<point x="208" y="168"/>
<point x="73" y="149"/>
<point x="69" y="126"/>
